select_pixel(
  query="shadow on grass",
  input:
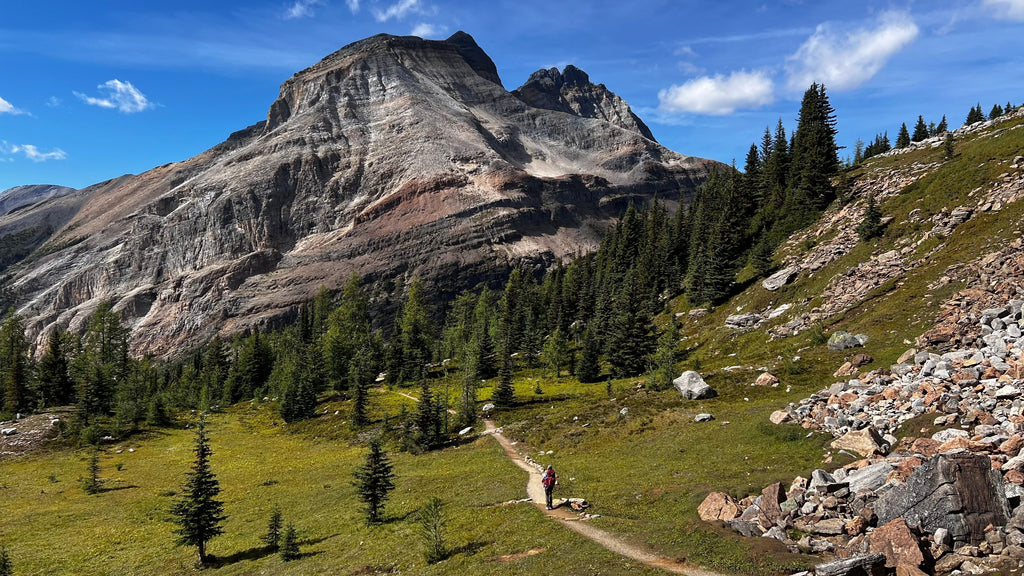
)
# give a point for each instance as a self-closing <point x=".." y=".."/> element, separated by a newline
<point x="468" y="549"/>
<point x="116" y="488"/>
<point x="250" y="554"/>
<point x="402" y="518"/>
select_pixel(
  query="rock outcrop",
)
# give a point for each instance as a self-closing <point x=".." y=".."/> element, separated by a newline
<point x="14" y="198"/>
<point x="392" y="157"/>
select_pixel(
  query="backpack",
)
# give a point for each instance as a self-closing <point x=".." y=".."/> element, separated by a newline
<point x="548" y="480"/>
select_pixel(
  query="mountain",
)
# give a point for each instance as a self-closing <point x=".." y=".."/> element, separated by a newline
<point x="14" y="198"/>
<point x="392" y="157"/>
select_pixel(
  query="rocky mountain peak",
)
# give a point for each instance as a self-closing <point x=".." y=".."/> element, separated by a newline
<point x="572" y="92"/>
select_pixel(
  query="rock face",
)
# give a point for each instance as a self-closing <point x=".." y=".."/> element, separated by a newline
<point x="571" y="91"/>
<point x="958" y="491"/>
<point x="14" y="198"/>
<point x="392" y="157"/>
<point x="29" y="216"/>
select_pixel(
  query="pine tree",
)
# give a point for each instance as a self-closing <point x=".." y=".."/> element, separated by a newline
<point x="504" y="393"/>
<point x="414" y="334"/>
<point x="665" y="357"/>
<point x="920" y="130"/>
<point x="374" y="481"/>
<point x="197" y="512"/>
<point x="6" y="565"/>
<point x="467" y="415"/>
<point x="996" y="112"/>
<point x="432" y="529"/>
<point x="631" y="339"/>
<point x="948" y="146"/>
<point x="975" y="115"/>
<point x="589" y="369"/>
<point x="91" y="481"/>
<point x="871" y="226"/>
<point x="903" y="138"/>
<point x="426" y="414"/>
<point x="14" y="366"/>
<point x="556" y="352"/>
<point x="273" y="536"/>
<point x="55" y="387"/>
<point x="943" y="126"/>
<point x="359" y="383"/>
<point x="290" y="544"/>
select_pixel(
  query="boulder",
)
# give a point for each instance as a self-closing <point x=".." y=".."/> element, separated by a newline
<point x="866" y="565"/>
<point x="943" y="436"/>
<point x="779" y="416"/>
<point x="829" y="527"/>
<point x="866" y="442"/>
<point x="742" y="321"/>
<point x="907" y="356"/>
<point x="840" y="340"/>
<point x="859" y="360"/>
<point x="718" y="506"/>
<point x="898" y="543"/>
<point x="869" y="477"/>
<point x="766" y="379"/>
<point x="772" y="498"/>
<point x="780" y="278"/>
<point x="8" y="431"/>
<point x="958" y="491"/>
<point x="692" y="386"/>
<point x="703" y="417"/>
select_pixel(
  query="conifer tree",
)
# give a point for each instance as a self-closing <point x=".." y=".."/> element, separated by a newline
<point x="55" y="387"/>
<point x="996" y="112"/>
<point x="665" y="358"/>
<point x="6" y="565"/>
<point x="871" y="225"/>
<point x="556" y="352"/>
<point x="504" y="393"/>
<point x="91" y="481"/>
<point x="348" y="330"/>
<point x="290" y="544"/>
<point x="631" y="338"/>
<point x="359" y="383"/>
<point x="374" y="481"/>
<point x="948" y="146"/>
<point x="589" y="369"/>
<point x="975" y="115"/>
<point x="273" y="536"/>
<point x="14" y="364"/>
<point x="920" y="130"/>
<point x="426" y="416"/>
<point x="432" y="529"/>
<point x="414" y="334"/>
<point x="815" y="157"/>
<point x="903" y="138"/>
<point x="943" y="126"/>
<point x="197" y="512"/>
<point x="467" y="399"/>
<point x="156" y="412"/>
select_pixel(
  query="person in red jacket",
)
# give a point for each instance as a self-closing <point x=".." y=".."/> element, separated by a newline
<point x="549" y="480"/>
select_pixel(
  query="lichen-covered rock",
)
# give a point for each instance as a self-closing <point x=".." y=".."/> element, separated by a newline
<point x="692" y="386"/>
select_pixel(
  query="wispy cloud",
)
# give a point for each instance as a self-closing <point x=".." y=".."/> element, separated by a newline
<point x="427" y="30"/>
<point x="353" y="6"/>
<point x="118" y="95"/>
<point x="8" y="108"/>
<point x="54" y="102"/>
<point x="32" y="152"/>
<point x="302" y="9"/>
<point x="399" y="10"/>
<point x="844" y="61"/>
<point x="719" y="94"/>
<point x="1009" y="9"/>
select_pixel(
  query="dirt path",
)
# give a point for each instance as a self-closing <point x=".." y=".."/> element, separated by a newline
<point x="571" y="521"/>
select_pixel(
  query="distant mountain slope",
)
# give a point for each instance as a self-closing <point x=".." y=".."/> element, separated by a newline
<point x="14" y="198"/>
<point x="391" y="157"/>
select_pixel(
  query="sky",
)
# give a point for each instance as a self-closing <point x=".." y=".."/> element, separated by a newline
<point x="93" y="90"/>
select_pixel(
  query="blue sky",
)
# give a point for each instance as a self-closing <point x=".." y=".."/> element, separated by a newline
<point x="93" y="90"/>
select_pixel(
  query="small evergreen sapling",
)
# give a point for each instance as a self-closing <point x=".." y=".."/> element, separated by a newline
<point x="198" y="513"/>
<point x="273" y="537"/>
<point x="374" y="481"/>
<point x="290" y="544"/>
<point x="504" y="394"/>
<point x="6" y="566"/>
<point x="91" y="481"/>
<point x="432" y="528"/>
<point x="871" y="226"/>
<point x="948" y="146"/>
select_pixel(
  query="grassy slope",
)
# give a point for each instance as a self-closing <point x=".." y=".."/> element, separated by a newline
<point x="645" y="471"/>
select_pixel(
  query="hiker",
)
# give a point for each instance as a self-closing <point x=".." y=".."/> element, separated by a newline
<point x="549" y="480"/>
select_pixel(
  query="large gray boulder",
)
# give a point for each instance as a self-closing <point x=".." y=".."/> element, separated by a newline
<point x="743" y="321"/>
<point x="957" y="491"/>
<point x="869" y="565"/>
<point x="780" y="278"/>
<point x="841" y="340"/>
<point x="692" y="386"/>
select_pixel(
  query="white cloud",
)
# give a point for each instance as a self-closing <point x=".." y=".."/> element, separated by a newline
<point x="8" y="108"/>
<point x="32" y="152"/>
<point x="399" y="10"/>
<point x="302" y="9"/>
<point x="353" y="5"/>
<point x="120" y="95"/>
<point x="845" y="61"/>
<point x="426" y="30"/>
<point x="54" y="102"/>
<point x="1010" y="9"/>
<point x="719" y="95"/>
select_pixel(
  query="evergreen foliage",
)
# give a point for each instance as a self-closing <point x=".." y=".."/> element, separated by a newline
<point x="903" y="138"/>
<point x="943" y="126"/>
<point x="374" y="482"/>
<point x="467" y="415"/>
<point x="54" y="386"/>
<point x="975" y="116"/>
<point x="290" y="544"/>
<point x="6" y="564"/>
<point x="920" y="130"/>
<point x="91" y="481"/>
<point x="948" y="146"/>
<point x="504" y="393"/>
<point x="432" y="530"/>
<point x="871" y="225"/>
<point x="996" y="112"/>
<point x="197" y="512"/>
<point x="273" y="536"/>
<point x="665" y="358"/>
<point x="14" y="366"/>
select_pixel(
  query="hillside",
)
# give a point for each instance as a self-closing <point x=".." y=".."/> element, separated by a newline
<point x="950" y="250"/>
<point x="391" y="158"/>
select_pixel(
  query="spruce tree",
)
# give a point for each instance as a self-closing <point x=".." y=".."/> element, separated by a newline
<point x="903" y="138"/>
<point x="414" y="334"/>
<point x="426" y="414"/>
<point x="665" y="358"/>
<point x="197" y="512"/>
<point x="589" y="369"/>
<point x="975" y="115"/>
<point x="54" y="379"/>
<point x="273" y="536"/>
<point x="631" y="338"/>
<point x="504" y="393"/>
<point x="815" y="158"/>
<point x="14" y="364"/>
<point x="556" y="352"/>
<point x="6" y="565"/>
<point x="996" y="112"/>
<point x="948" y="146"/>
<point x="432" y="529"/>
<point x="374" y="481"/>
<point x="467" y="414"/>
<point x="920" y="130"/>
<point x="358" y="385"/>
<point x="943" y="126"/>
<point x="91" y="481"/>
<point x="871" y="225"/>
<point x="290" y="544"/>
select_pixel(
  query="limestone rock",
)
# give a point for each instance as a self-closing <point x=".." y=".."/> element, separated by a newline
<point x="718" y="506"/>
<point x="780" y="278"/>
<point x="866" y="442"/>
<point x="898" y="543"/>
<point x="743" y="321"/>
<point x="692" y="386"/>
<point x="840" y="340"/>
<point x="866" y="565"/>
<point x="766" y="379"/>
<point x="779" y="416"/>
